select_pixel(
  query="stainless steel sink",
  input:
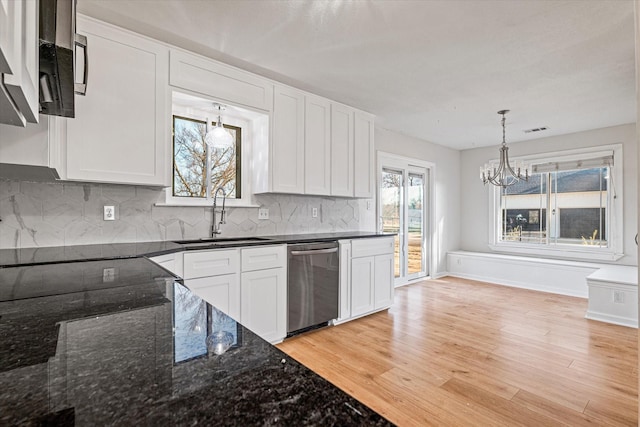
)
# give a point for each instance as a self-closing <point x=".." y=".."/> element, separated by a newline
<point x="219" y="241"/>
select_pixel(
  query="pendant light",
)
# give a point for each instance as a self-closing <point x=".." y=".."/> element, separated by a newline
<point x="504" y="175"/>
<point x="218" y="136"/>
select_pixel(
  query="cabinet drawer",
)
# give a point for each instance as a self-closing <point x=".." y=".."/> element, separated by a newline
<point x="370" y="247"/>
<point x="210" y="263"/>
<point x="264" y="257"/>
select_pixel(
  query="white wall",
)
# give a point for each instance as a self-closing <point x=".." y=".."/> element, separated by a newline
<point x="475" y="206"/>
<point x="446" y="236"/>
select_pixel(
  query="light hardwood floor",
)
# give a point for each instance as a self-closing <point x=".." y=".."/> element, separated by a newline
<point x="454" y="352"/>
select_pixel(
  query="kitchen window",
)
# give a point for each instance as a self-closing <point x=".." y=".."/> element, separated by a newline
<point x="198" y="170"/>
<point x="571" y="207"/>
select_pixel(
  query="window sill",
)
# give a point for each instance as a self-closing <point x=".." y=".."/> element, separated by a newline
<point x="572" y="254"/>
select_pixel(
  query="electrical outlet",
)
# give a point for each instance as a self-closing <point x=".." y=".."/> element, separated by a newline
<point x="314" y="212"/>
<point x="109" y="213"/>
<point x="618" y="297"/>
<point x="263" y="213"/>
<point x="368" y="205"/>
<point x="108" y="275"/>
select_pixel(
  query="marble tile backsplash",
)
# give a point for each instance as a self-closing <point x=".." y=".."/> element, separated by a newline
<point x="55" y="214"/>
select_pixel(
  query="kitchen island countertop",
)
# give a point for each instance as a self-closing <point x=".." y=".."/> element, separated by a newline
<point x="97" y="335"/>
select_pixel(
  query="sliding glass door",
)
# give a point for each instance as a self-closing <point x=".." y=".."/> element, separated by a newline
<point x="391" y="218"/>
<point x="402" y="199"/>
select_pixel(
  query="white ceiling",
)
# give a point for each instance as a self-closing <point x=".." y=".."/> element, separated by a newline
<point x="438" y="70"/>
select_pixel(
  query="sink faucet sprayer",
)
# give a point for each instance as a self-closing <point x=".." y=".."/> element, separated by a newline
<point x="215" y="228"/>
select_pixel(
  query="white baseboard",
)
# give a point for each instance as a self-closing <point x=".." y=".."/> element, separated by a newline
<point x="610" y="318"/>
<point x="558" y="277"/>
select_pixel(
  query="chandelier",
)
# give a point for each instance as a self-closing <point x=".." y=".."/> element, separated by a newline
<point x="504" y="174"/>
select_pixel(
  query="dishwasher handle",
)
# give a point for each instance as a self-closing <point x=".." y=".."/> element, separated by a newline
<point x="314" y="252"/>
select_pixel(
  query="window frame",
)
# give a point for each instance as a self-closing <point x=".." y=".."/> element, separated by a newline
<point x="246" y="199"/>
<point x="238" y="158"/>
<point x="614" y="249"/>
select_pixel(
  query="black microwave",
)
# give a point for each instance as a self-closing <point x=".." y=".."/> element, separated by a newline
<point x="58" y="47"/>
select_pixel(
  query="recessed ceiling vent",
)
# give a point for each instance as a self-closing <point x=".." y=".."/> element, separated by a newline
<point x="540" y="129"/>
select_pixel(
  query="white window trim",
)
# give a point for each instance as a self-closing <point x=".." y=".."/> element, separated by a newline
<point x="570" y="252"/>
<point x="247" y="200"/>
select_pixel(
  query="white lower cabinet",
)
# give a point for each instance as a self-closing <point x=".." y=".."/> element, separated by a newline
<point x="171" y="262"/>
<point x="223" y="292"/>
<point x="214" y="276"/>
<point x="264" y="303"/>
<point x="370" y="287"/>
<point x="382" y="281"/>
<point x="263" y="291"/>
<point x="362" y="285"/>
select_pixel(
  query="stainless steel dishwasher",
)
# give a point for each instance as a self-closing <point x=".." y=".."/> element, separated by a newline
<point x="312" y="285"/>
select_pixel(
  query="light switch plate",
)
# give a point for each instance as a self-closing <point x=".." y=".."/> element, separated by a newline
<point x="314" y="212"/>
<point x="109" y="213"/>
<point x="263" y="213"/>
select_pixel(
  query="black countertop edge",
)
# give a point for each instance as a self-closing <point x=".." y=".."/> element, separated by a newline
<point x="98" y="252"/>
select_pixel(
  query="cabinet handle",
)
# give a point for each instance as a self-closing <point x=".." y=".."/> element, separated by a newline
<point x="314" y="252"/>
<point x="81" y="42"/>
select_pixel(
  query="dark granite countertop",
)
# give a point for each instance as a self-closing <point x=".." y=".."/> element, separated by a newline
<point x="58" y="254"/>
<point x="121" y="342"/>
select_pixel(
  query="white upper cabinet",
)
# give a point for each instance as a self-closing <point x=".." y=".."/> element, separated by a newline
<point x="317" y="146"/>
<point x="220" y="81"/>
<point x="364" y="171"/>
<point x="342" y="150"/>
<point x="121" y="130"/>
<point x="18" y="62"/>
<point x="287" y="141"/>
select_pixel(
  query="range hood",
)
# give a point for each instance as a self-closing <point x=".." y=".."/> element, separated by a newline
<point x="28" y="173"/>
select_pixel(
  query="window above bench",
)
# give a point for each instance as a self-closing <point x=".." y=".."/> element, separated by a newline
<point x="570" y="208"/>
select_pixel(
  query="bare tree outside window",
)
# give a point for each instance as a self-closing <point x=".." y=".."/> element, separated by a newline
<point x="190" y="174"/>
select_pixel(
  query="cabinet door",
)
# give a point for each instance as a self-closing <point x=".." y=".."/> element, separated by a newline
<point x="287" y="145"/>
<point x="120" y="133"/>
<point x="363" y="164"/>
<point x="383" y="281"/>
<point x="222" y="292"/>
<point x="317" y="146"/>
<point x="263" y="296"/>
<point x="362" y="291"/>
<point x="342" y="150"/>
<point x="18" y="62"/>
<point x="22" y="83"/>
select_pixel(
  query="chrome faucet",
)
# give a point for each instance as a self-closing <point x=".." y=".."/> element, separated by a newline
<point x="215" y="227"/>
